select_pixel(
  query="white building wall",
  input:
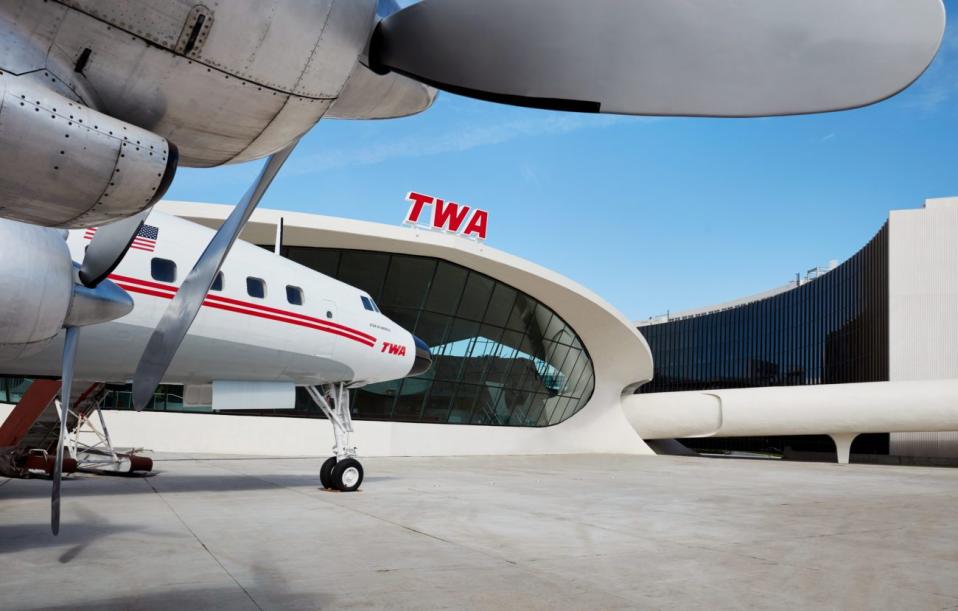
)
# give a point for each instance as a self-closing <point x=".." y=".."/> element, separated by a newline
<point x="923" y="309"/>
<point x="597" y="429"/>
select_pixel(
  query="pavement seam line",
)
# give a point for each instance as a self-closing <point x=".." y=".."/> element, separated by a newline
<point x="202" y="544"/>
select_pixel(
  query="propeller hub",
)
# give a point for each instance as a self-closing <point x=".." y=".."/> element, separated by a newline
<point x="103" y="303"/>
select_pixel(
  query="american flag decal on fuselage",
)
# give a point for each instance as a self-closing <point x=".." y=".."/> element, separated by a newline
<point x="145" y="239"/>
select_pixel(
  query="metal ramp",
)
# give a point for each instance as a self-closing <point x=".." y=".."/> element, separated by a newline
<point x="45" y="430"/>
<point x="23" y="446"/>
<point x="28" y="437"/>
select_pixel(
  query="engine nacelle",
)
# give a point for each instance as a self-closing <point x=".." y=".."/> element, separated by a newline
<point x="368" y="95"/>
<point x="38" y="273"/>
<point x="67" y="165"/>
<point x="42" y="292"/>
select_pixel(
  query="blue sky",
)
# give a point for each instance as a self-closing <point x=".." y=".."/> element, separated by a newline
<point x="652" y="214"/>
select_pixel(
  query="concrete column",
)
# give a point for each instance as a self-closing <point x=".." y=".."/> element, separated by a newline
<point x="843" y="445"/>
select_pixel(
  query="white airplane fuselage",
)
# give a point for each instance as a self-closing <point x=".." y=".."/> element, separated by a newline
<point x="332" y="337"/>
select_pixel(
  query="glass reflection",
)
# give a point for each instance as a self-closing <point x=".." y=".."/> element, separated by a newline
<point x="830" y="330"/>
<point x="500" y="358"/>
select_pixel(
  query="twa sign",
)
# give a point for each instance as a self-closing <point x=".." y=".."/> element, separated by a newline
<point x="435" y="213"/>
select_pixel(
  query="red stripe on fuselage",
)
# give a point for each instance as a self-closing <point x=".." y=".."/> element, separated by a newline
<point x="165" y="291"/>
<point x="301" y="323"/>
<point x="255" y="306"/>
<point x="156" y="285"/>
<point x="304" y="317"/>
<point x="139" y="289"/>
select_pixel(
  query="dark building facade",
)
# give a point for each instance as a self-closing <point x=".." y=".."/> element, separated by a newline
<point x="832" y="329"/>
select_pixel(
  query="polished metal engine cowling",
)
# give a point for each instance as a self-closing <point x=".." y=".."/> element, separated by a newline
<point x="38" y="275"/>
<point x="66" y="165"/>
<point x="43" y="292"/>
<point x="368" y="95"/>
<point x="226" y="81"/>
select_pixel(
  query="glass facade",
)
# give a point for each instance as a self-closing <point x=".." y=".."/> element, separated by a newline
<point x="830" y="330"/>
<point x="12" y="389"/>
<point x="500" y="357"/>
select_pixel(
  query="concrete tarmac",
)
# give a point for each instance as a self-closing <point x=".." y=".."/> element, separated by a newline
<point x="554" y="532"/>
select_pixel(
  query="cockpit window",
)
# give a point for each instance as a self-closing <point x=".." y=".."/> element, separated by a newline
<point x="368" y="303"/>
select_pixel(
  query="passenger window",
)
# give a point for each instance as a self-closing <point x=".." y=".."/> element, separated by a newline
<point x="218" y="282"/>
<point x="256" y="287"/>
<point x="367" y="303"/>
<point x="294" y="295"/>
<point x="163" y="270"/>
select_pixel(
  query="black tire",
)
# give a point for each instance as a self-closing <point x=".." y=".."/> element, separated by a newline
<point x="347" y="475"/>
<point x="326" y="472"/>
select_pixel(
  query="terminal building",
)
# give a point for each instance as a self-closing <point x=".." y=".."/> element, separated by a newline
<point x="526" y="361"/>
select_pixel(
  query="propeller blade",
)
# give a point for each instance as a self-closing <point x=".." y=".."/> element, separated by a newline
<point x="179" y="315"/>
<point x="66" y="386"/>
<point x="728" y="58"/>
<point x="109" y="245"/>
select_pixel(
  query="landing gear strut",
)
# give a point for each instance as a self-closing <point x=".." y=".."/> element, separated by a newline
<point x="342" y="471"/>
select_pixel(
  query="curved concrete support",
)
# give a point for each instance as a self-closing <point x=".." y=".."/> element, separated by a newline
<point x="843" y="446"/>
<point x="839" y="410"/>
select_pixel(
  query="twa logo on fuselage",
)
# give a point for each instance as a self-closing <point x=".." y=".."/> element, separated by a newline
<point x="396" y="349"/>
<point x="447" y="216"/>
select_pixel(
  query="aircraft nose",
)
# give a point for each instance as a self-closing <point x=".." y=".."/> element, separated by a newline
<point x="423" y="358"/>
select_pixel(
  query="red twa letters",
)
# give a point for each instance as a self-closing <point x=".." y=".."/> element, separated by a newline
<point x="394" y="349"/>
<point x="447" y="216"/>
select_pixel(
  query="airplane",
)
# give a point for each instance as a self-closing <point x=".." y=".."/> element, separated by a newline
<point x="268" y="325"/>
<point x="102" y="100"/>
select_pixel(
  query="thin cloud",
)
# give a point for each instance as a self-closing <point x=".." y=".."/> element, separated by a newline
<point x="939" y="85"/>
<point x="460" y="139"/>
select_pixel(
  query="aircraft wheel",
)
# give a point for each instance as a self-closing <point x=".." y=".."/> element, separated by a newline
<point x="347" y="475"/>
<point x="326" y="472"/>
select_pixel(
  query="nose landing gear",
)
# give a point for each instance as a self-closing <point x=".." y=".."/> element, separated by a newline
<point x="342" y="471"/>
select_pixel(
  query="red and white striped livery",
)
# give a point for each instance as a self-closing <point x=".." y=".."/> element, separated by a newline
<point x="267" y="319"/>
